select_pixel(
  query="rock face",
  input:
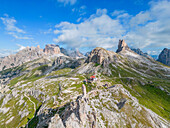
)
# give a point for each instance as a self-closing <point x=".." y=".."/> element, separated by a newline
<point x="52" y="49"/>
<point x="122" y="46"/>
<point x="25" y="55"/>
<point x="101" y="56"/>
<point x="164" y="56"/>
<point x="73" y="115"/>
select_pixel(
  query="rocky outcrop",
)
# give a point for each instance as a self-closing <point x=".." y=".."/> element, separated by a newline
<point x="122" y="46"/>
<point x="64" y="61"/>
<point x="72" y="115"/>
<point x="101" y="56"/>
<point x="25" y="55"/>
<point x="164" y="57"/>
<point x="52" y="49"/>
<point x="101" y="109"/>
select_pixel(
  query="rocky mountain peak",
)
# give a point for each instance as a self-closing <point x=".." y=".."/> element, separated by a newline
<point x="101" y="56"/>
<point x="52" y="49"/>
<point x="122" y="46"/>
<point x="164" y="56"/>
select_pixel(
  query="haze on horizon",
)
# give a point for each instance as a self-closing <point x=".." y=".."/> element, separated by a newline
<point x="84" y="24"/>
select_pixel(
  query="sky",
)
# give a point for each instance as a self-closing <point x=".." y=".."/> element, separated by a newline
<point x="84" y="24"/>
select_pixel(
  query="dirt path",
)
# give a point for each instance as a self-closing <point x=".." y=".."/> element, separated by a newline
<point x="34" y="108"/>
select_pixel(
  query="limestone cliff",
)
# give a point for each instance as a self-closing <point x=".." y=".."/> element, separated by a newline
<point x="25" y="55"/>
<point x="101" y="56"/>
<point x="122" y="46"/>
<point x="51" y="49"/>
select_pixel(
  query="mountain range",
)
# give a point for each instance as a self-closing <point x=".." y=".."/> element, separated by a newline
<point x="53" y="87"/>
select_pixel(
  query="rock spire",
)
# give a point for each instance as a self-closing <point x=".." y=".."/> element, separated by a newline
<point x="122" y="46"/>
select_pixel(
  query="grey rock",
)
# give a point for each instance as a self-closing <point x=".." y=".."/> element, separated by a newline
<point x="25" y="55"/>
<point x="121" y="103"/>
<point x="122" y="46"/>
<point x="164" y="57"/>
<point x="102" y="56"/>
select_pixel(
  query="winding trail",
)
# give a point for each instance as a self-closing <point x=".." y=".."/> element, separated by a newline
<point x="34" y="108"/>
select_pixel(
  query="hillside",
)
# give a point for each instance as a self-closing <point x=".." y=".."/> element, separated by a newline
<point x="47" y="91"/>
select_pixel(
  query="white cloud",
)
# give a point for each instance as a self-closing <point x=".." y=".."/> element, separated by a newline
<point x="147" y="29"/>
<point x="12" y="29"/>
<point x="48" y="31"/>
<point x="65" y="2"/>
<point x="19" y="36"/>
<point x="79" y="19"/>
<point x="10" y="24"/>
<point x="101" y="11"/>
<point x="157" y="52"/>
<point x="99" y="30"/>
<point x="151" y="28"/>
<point x="81" y="10"/>
<point x="117" y="12"/>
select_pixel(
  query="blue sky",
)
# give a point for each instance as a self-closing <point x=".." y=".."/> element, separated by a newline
<point x="84" y="24"/>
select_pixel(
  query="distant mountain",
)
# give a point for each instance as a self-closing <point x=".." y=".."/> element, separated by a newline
<point x="32" y="53"/>
<point x="164" y="56"/>
<point x="25" y="55"/>
<point x="138" y="51"/>
<point x="72" y="53"/>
